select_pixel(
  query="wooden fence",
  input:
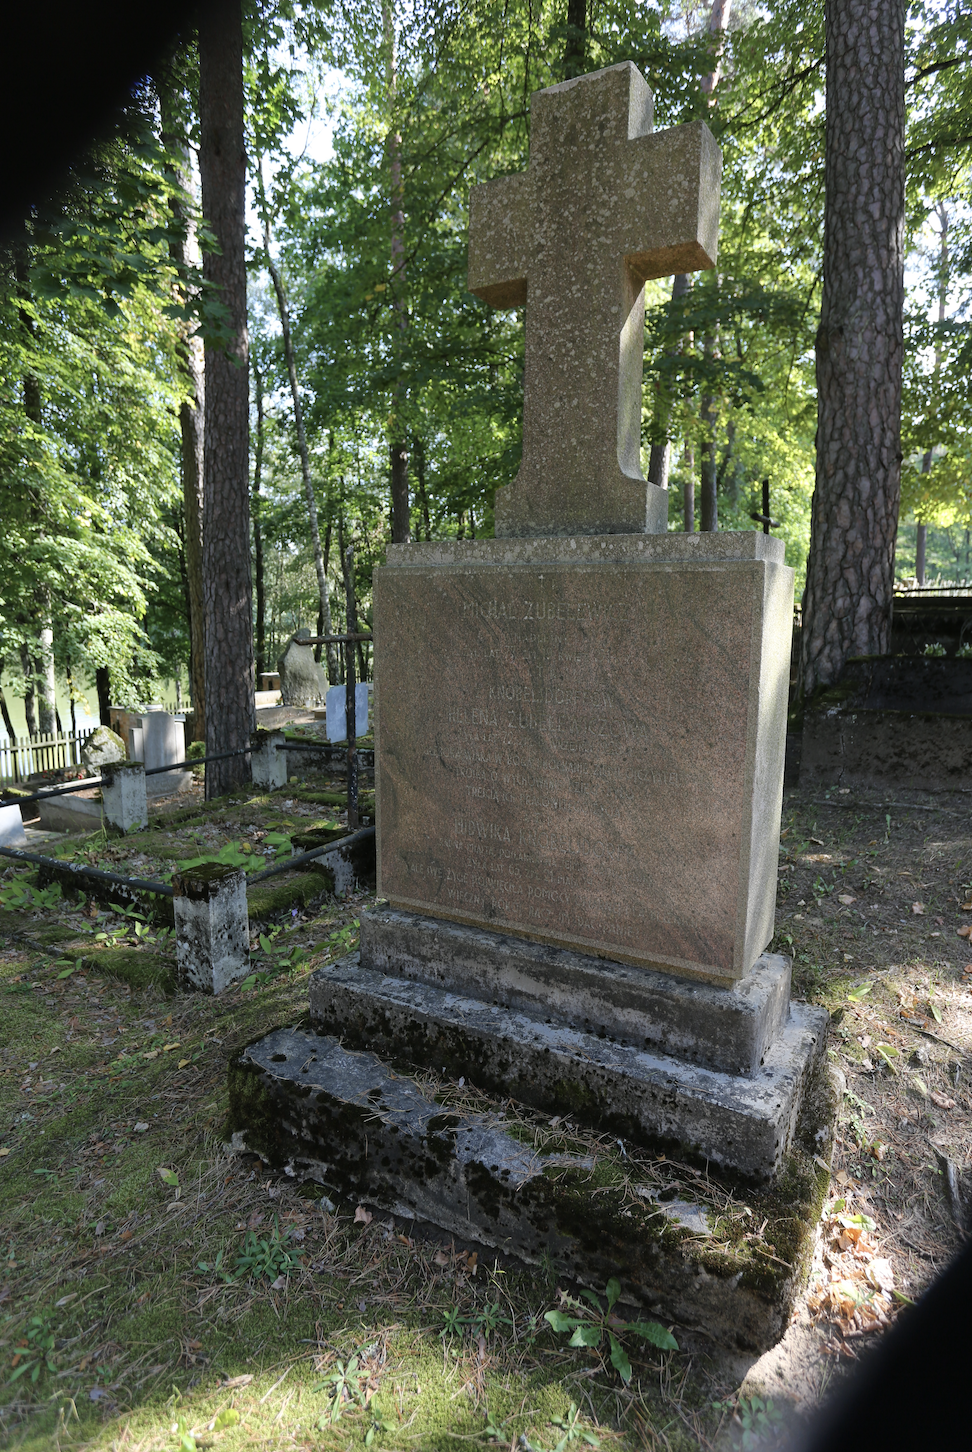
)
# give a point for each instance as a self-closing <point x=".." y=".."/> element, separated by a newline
<point x="47" y="751"/>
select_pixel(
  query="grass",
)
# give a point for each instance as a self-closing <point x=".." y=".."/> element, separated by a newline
<point x="177" y="1282"/>
<point x="148" y="1302"/>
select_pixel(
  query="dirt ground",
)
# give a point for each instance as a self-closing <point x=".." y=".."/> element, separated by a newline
<point x="157" y="1291"/>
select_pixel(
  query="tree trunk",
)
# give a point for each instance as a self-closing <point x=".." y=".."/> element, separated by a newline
<point x="661" y="451"/>
<point x="575" y="51"/>
<point x="688" y="501"/>
<point x="227" y="586"/>
<point x="27" y="666"/>
<point x="103" y="687"/>
<point x="192" y="409"/>
<point x="418" y="453"/>
<point x="324" y="612"/>
<point x="921" y="542"/>
<point x="709" y="417"/>
<point x="5" y="709"/>
<point x="46" y="683"/>
<point x="397" y="450"/>
<point x="261" y="599"/>
<point x="850" y="570"/>
<point x="709" y="405"/>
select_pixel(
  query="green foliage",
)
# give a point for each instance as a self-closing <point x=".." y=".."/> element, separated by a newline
<point x="483" y="1322"/>
<point x="34" y="1350"/>
<point x="754" y="1419"/>
<point x="264" y="1258"/>
<point x="590" y="1323"/>
<point x="18" y="895"/>
<point x="347" y="1386"/>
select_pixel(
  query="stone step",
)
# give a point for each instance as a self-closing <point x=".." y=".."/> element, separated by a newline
<point x="318" y="1111"/>
<point x="743" y="1124"/>
<point x="729" y="1028"/>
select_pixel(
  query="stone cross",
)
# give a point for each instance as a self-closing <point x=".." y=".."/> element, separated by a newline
<point x="604" y="205"/>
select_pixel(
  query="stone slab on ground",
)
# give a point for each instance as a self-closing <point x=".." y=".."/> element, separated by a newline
<point x="596" y="756"/>
<point x="12" y="828"/>
<point x="744" y="1124"/>
<point x="72" y="812"/>
<point x="310" y="1106"/>
<point x="724" y="1028"/>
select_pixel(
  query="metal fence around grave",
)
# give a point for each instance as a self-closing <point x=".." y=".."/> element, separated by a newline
<point x="25" y="756"/>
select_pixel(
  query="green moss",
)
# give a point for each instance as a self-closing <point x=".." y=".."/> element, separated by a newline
<point x="56" y="934"/>
<point x="137" y="967"/>
<point x="266" y="900"/>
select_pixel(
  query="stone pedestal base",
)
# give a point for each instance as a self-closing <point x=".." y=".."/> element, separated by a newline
<point x="686" y="1247"/>
<point x="211" y="927"/>
<point x="268" y="759"/>
<point x="741" y="1123"/>
<point x="123" y="793"/>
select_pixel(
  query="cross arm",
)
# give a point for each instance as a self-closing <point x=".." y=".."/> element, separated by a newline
<point x="499" y="223"/>
<point x="680" y="171"/>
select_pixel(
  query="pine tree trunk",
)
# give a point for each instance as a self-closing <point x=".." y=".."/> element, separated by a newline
<point x="850" y="571"/>
<point x="261" y="598"/>
<point x="184" y="253"/>
<point x="283" y="310"/>
<point x="227" y="586"/>
<point x="397" y="449"/>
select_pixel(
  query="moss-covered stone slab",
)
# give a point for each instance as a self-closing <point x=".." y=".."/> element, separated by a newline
<point x="741" y="1122"/>
<point x="725" y="1262"/>
<point x="138" y="967"/>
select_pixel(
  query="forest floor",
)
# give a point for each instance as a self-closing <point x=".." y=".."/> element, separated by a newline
<point x="160" y="1292"/>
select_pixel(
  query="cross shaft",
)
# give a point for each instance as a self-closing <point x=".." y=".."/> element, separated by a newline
<point x="604" y="205"/>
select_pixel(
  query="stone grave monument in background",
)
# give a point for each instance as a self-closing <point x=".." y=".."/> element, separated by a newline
<point x="302" y="681"/>
<point x="579" y="766"/>
<point x="158" y="739"/>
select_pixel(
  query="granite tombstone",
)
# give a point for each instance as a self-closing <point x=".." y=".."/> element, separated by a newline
<point x="579" y="737"/>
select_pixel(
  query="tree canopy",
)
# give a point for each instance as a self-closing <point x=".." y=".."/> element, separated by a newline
<point x="366" y="231"/>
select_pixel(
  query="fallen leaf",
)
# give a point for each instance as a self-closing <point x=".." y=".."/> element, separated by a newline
<point x="362" y="1216"/>
<point x="237" y="1381"/>
<point x="942" y="1100"/>
<point x="126" y="1235"/>
<point x="4" y="1153"/>
<point x="846" y="899"/>
<point x="100" y="1228"/>
<point x="140" y="1127"/>
<point x="440" y="1258"/>
<point x="183" y="1062"/>
<point x="168" y="1177"/>
<point x="151" y="1054"/>
<point x="279" y="1284"/>
<point x="880" y="1274"/>
<point x="967" y="907"/>
<point x="918" y="908"/>
<point x="194" y="1345"/>
<point x="167" y="1048"/>
<point x="965" y="932"/>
